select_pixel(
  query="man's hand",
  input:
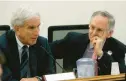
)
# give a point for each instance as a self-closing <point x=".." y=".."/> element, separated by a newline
<point x="29" y="79"/>
<point x="98" y="45"/>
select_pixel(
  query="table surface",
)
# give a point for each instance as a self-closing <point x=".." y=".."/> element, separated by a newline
<point x="102" y="78"/>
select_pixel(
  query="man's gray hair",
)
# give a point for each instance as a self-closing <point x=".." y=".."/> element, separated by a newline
<point x="111" y="20"/>
<point x="21" y="15"/>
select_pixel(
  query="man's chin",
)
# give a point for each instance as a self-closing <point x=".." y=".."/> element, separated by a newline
<point x="32" y="43"/>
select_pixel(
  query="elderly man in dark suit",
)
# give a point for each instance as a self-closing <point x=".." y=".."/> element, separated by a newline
<point x="25" y="51"/>
<point x="106" y="49"/>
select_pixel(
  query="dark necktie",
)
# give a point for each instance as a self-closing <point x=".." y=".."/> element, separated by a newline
<point x="24" y="62"/>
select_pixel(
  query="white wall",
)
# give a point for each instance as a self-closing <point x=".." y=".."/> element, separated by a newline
<point x="69" y="12"/>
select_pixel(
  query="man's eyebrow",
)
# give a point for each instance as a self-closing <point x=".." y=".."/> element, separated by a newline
<point x="31" y="26"/>
<point x="34" y="26"/>
<point x="92" y="25"/>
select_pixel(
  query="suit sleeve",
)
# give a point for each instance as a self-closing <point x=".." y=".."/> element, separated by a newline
<point x="106" y="61"/>
<point x="61" y="47"/>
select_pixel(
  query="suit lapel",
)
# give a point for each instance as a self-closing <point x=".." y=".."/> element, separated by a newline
<point x="107" y="46"/>
<point x="13" y="57"/>
<point x="32" y="61"/>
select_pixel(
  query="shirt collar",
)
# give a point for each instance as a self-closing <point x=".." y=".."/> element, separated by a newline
<point x="20" y="44"/>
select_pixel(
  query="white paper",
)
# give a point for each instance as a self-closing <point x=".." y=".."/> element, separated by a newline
<point x="60" y="76"/>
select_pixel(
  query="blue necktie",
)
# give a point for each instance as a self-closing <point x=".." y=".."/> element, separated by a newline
<point x="24" y="62"/>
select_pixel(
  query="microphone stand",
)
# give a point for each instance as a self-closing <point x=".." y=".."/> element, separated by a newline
<point x="53" y="59"/>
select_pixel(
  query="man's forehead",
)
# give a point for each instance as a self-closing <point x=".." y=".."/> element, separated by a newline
<point x="33" y="22"/>
<point x="99" y="22"/>
<point x="100" y="18"/>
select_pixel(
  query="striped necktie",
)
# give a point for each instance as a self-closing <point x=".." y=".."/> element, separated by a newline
<point x="24" y="62"/>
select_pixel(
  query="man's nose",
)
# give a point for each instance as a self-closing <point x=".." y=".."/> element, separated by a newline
<point x="36" y="32"/>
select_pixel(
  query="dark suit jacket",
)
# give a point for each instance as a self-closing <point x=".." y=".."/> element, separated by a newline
<point x="40" y="62"/>
<point x="73" y="46"/>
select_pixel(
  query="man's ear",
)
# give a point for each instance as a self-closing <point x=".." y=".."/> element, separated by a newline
<point x="16" y="28"/>
<point x="110" y="33"/>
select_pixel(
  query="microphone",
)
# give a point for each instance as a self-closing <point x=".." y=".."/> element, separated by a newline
<point x="53" y="59"/>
